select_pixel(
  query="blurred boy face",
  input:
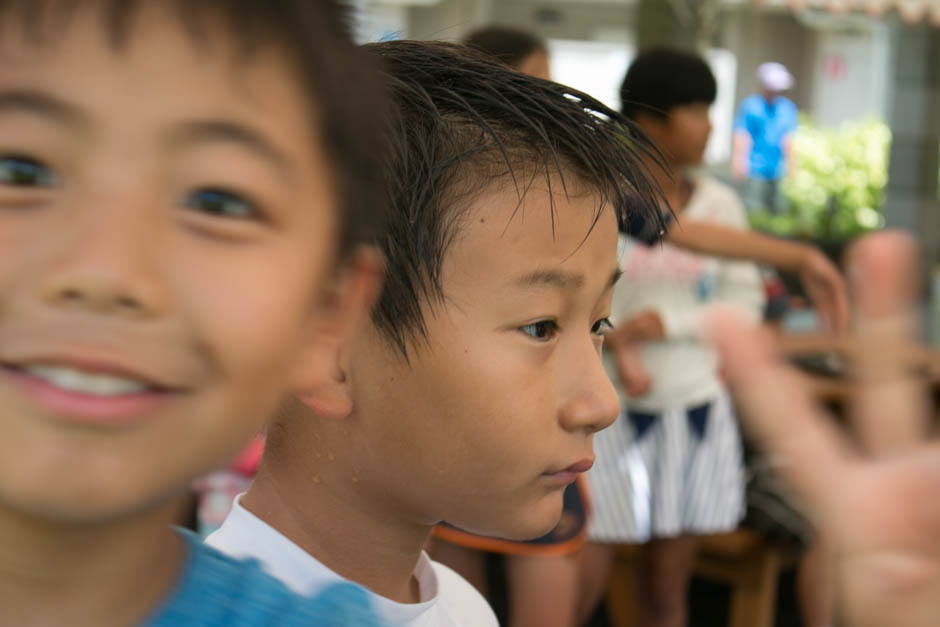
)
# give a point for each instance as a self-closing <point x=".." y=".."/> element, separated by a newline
<point x="537" y="65"/>
<point x="683" y="135"/>
<point x="495" y="414"/>
<point x="165" y="218"/>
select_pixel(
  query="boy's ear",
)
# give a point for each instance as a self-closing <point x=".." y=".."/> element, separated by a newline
<point x="320" y="378"/>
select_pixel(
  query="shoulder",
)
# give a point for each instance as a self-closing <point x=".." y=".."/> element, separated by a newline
<point x="719" y="202"/>
<point x="461" y="599"/>
<point x="788" y="108"/>
<point x="751" y="103"/>
<point x="717" y="192"/>
<point x="217" y="589"/>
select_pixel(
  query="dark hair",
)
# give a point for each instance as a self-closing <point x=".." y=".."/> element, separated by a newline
<point x="467" y="123"/>
<point x="347" y="103"/>
<point x="509" y="45"/>
<point x="662" y="78"/>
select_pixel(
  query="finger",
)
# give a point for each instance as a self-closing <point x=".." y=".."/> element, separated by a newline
<point x="890" y="408"/>
<point x="629" y="365"/>
<point x="780" y="412"/>
<point x="829" y="292"/>
<point x="822" y="302"/>
<point x="841" y="317"/>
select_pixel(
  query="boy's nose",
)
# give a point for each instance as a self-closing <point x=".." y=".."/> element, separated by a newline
<point x="593" y="403"/>
<point x="103" y="267"/>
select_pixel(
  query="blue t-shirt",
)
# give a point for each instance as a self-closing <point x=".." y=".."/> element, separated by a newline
<point x="218" y="590"/>
<point x="767" y="124"/>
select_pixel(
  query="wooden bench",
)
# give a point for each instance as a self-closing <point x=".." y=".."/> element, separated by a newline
<point x="745" y="560"/>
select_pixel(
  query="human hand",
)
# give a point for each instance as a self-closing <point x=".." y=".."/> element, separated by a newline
<point x="646" y="326"/>
<point x="873" y="493"/>
<point x="625" y="346"/>
<point x="826" y="289"/>
<point x="634" y="377"/>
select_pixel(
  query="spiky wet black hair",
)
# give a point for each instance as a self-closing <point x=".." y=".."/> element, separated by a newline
<point x="466" y="123"/>
<point x="347" y="104"/>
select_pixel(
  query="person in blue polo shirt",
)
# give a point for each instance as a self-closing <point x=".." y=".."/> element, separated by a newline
<point x="763" y="129"/>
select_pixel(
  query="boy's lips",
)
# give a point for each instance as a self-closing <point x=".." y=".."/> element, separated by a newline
<point x="87" y="390"/>
<point x="570" y="473"/>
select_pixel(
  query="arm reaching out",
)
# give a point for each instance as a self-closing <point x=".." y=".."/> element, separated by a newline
<point x="872" y="492"/>
<point x="740" y="154"/>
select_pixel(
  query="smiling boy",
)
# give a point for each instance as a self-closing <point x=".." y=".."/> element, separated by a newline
<point x="180" y="198"/>
<point x="474" y="394"/>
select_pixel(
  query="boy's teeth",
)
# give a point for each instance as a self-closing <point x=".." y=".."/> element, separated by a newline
<point x="86" y="383"/>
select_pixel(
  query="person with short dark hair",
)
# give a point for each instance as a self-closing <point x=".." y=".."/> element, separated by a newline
<point x="186" y="199"/>
<point x="474" y="394"/>
<point x="671" y="469"/>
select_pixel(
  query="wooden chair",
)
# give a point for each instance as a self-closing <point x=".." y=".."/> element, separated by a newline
<point x="745" y="560"/>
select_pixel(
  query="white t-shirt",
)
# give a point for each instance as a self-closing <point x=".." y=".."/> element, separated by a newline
<point x="447" y="599"/>
<point x="683" y="287"/>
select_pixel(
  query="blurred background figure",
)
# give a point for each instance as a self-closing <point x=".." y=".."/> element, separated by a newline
<point x="763" y="138"/>
<point x="670" y="469"/>
<point x="515" y="47"/>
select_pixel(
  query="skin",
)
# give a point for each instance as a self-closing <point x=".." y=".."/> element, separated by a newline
<point x="132" y="266"/>
<point x="399" y="446"/>
<point x="536" y="64"/>
<point x="871" y="490"/>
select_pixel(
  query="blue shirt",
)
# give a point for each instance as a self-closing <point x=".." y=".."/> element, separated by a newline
<point x="217" y="590"/>
<point x="767" y="124"/>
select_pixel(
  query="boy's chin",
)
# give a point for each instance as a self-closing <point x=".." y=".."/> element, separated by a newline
<point x="77" y="508"/>
<point x="523" y="523"/>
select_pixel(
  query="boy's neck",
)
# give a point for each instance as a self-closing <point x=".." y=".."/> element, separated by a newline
<point x="116" y="573"/>
<point x="331" y="516"/>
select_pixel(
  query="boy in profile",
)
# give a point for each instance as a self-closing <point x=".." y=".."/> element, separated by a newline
<point x="182" y="191"/>
<point x="474" y="394"/>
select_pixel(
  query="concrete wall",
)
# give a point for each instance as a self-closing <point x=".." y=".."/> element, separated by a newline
<point x="756" y="37"/>
<point x="851" y="74"/>
<point x="914" y="116"/>
<point x="449" y="19"/>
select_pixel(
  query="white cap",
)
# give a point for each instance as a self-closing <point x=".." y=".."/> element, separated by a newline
<point x="774" y="76"/>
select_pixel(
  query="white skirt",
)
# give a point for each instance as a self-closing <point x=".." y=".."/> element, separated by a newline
<point x="661" y="475"/>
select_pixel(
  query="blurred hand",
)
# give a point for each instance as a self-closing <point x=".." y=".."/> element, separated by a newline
<point x="625" y="343"/>
<point x="645" y="326"/>
<point x="826" y="289"/>
<point x="874" y="492"/>
<point x="634" y="377"/>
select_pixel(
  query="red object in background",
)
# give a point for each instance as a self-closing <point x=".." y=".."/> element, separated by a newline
<point x="246" y="464"/>
<point x="834" y="67"/>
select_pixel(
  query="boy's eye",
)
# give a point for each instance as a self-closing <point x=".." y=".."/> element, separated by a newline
<point x="543" y="330"/>
<point x="602" y="327"/>
<point x="220" y="202"/>
<point x="19" y="171"/>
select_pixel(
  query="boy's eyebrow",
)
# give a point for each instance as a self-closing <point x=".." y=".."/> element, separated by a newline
<point x="232" y="132"/>
<point x="550" y="278"/>
<point x="43" y="105"/>
<point x="47" y="106"/>
<point x="559" y="279"/>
